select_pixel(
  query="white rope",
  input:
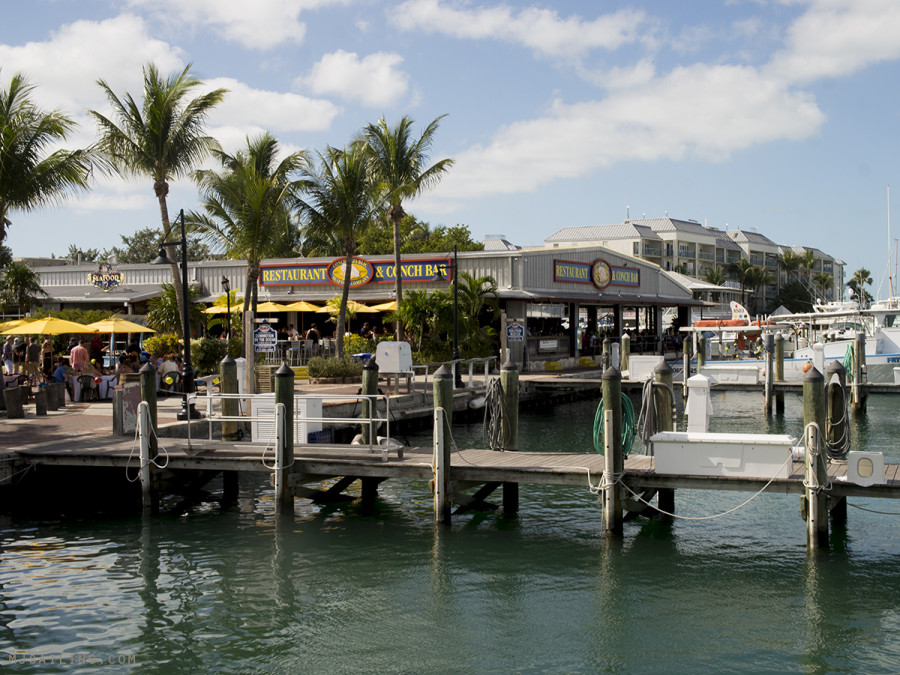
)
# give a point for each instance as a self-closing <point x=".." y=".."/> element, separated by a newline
<point x="159" y="446"/>
<point x="714" y="516"/>
<point x="811" y="482"/>
<point x="883" y="513"/>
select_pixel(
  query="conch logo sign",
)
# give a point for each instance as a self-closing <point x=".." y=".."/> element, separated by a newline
<point x="359" y="271"/>
<point x="601" y="274"/>
<point x="106" y="278"/>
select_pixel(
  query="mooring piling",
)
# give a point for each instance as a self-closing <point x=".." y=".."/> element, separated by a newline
<point x="284" y="432"/>
<point x="228" y="384"/>
<point x="665" y="406"/>
<point x="148" y="396"/>
<point x="442" y="386"/>
<point x="686" y="363"/>
<point x="769" y="351"/>
<point x="369" y="388"/>
<point x="816" y="480"/>
<point x="779" y="372"/>
<point x="614" y="461"/>
<point x="509" y="417"/>
<point x="625" y="356"/>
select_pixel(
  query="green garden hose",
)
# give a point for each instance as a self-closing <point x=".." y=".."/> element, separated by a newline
<point x="628" y="426"/>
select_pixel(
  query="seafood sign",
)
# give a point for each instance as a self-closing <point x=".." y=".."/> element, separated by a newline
<point x="360" y="270"/>
<point x="106" y="278"/>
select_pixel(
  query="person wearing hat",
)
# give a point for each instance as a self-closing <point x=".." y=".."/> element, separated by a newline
<point x="7" y="355"/>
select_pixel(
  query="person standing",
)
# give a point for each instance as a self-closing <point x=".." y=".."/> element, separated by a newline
<point x="47" y="359"/>
<point x="79" y="355"/>
<point x="33" y="361"/>
<point x="8" y="357"/>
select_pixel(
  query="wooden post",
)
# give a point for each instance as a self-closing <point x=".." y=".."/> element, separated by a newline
<point x="370" y="388"/>
<point x="15" y="409"/>
<point x="284" y="394"/>
<point x="146" y="427"/>
<point x="665" y="406"/>
<point x="606" y="356"/>
<point x="858" y="398"/>
<point x="838" y="425"/>
<point x="816" y="469"/>
<point x="769" y="351"/>
<point x="228" y="384"/>
<point x="442" y="384"/>
<point x="509" y="383"/>
<point x="686" y="363"/>
<point x="148" y="395"/>
<point x="52" y="402"/>
<point x="249" y="354"/>
<point x="614" y="462"/>
<point x="701" y="353"/>
<point x="779" y="372"/>
<point x="625" y="356"/>
<point x="40" y="401"/>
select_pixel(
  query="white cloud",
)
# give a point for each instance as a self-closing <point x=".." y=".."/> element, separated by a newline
<point x="247" y="109"/>
<point x="261" y="24"/>
<point x="66" y="66"/>
<point x="374" y="80"/>
<point x="839" y="37"/>
<point x="704" y="112"/>
<point x="540" y="29"/>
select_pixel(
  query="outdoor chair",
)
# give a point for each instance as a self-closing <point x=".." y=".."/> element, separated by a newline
<point x="88" y="388"/>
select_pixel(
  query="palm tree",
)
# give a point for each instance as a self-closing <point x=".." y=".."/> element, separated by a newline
<point x="163" y="137"/>
<point x="823" y="282"/>
<point x="30" y="176"/>
<point x="249" y="206"/>
<point x="713" y="275"/>
<point x="164" y="314"/>
<point x="20" y="286"/>
<point x="740" y="269"/>
<point x="340" y="202"/>
<point x="860" y="279"/>
<point x="398" y="161"/>
<point x="756" y="278"/>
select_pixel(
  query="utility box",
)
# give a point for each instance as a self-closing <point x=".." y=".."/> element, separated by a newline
<point x="641" y="367"/>
<point x="732" y="372"/>
<point x="393" y="358"/>
<point x="706" y="454"/>
<point x="263" y="406"/>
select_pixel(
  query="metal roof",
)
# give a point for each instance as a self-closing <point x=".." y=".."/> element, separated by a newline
<point x="627" y="230"/>
<point x="751" y="237"/>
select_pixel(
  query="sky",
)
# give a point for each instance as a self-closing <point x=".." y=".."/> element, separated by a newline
<point x="778" y="115"/>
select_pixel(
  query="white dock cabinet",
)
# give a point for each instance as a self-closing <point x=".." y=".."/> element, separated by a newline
<point x="263" y="406"/>
<point x="712" y="454"/>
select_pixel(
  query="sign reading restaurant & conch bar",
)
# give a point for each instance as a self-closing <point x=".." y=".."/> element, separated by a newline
<point x="361" y="272"/>
<point x="600" y="273"/>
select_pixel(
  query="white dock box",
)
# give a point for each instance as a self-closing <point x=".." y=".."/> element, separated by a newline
<point x="641" y="367"/>
<point x="736" y="372"/>
<point x="263" y="406"/>
<point x="393" y="358"/>
<point x="714" y="454"/>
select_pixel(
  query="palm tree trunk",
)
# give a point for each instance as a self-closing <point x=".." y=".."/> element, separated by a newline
<point x="176" y="277"/>
<point x="398" y="280"/>
<point x="345" y="296"/>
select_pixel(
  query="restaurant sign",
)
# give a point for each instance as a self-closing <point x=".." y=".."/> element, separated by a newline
<point x="600" y="273"/>
<point x="361" y="272"/>
<point x="106" y="278"/>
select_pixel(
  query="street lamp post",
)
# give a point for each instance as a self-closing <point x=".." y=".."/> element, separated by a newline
<point x="226" y="286"/>
<point x="187" y="374"/>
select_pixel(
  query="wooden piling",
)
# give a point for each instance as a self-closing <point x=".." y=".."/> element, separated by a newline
<point x="40" y="402"/>
<point x="509" y="414"/>
<point x="52" y="402"/>
<point x="779" y="372"/>
<point x="614" y="460"/>
<point x="665" y="406"/>
<point x="228" y="384"/>
<point x="369" y="388"/>
<point x="816" y="461"/>
<point x="701" y="353"/>
<point x="769" y="351"/>
<point x="838" y="427"/>
<point x="686" y="363"/>
<point x="442" y="385"/>
<point x="15" y="408"/>
<point x="284" y="394"/>
<point x="606" y="357"/>
<point x="858" y="391"/>
<point x="148" y="395"/>
<point x="625" y="356"/>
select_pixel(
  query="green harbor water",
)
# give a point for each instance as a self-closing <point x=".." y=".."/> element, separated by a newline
<point x="337" y="591"/>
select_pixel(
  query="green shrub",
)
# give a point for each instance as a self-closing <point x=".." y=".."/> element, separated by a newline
<point x="162" y="344"/>
<point x="206" y="353"/>
<point x="347" y="366"/>
<point x="355" y="344"/>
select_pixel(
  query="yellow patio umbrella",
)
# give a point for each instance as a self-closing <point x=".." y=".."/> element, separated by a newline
<point x="386" y="306"/>
<point x="222" y="309"/>
<point x="303" y="306"/>
<point x="352" y="306"/>
<point x="117" y="325"/>
<point x="49" y="326"/>
<point x="12" y="324"/>
<point x="271" y="307"/>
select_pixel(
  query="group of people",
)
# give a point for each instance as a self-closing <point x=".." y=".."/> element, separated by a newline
<point x="28" y="357"/>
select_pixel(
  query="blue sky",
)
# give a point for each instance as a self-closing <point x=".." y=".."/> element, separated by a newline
<point x="780" y="115"/>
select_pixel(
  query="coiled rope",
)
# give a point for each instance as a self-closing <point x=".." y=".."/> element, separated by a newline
<point x="495" y="415"/>
<point x="628" y="426"/>
<point x="650" y="415"/>
<point x="838" y="447"/>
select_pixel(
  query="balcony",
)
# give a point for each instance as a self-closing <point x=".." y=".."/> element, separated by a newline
<point x="652" y="251"/>
<point x="685" y="252"/>
<point x="703" y="255"/>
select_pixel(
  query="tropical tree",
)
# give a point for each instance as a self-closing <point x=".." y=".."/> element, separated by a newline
<point x="857" y="284"/>
<point x="740" y="270"/>
<point x="417" y="236"/>
<point x="20" y="286"/>
<point x="339" y="204"/>
<point x="713" y="275"/>
<point x="823" y="282"/>
<point x="423" y="314"/>
<point x="30" y="175"/>
<point x="758" y="278"/>
<point x="164" y="314"/>
<point x="231" y="320"/>
<point x="162" y="138"/>
<point x="77" y="254"/>
<point x="476" y="295"/>
<point x="249" y="207"/>
<point x="399" y="162"/>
